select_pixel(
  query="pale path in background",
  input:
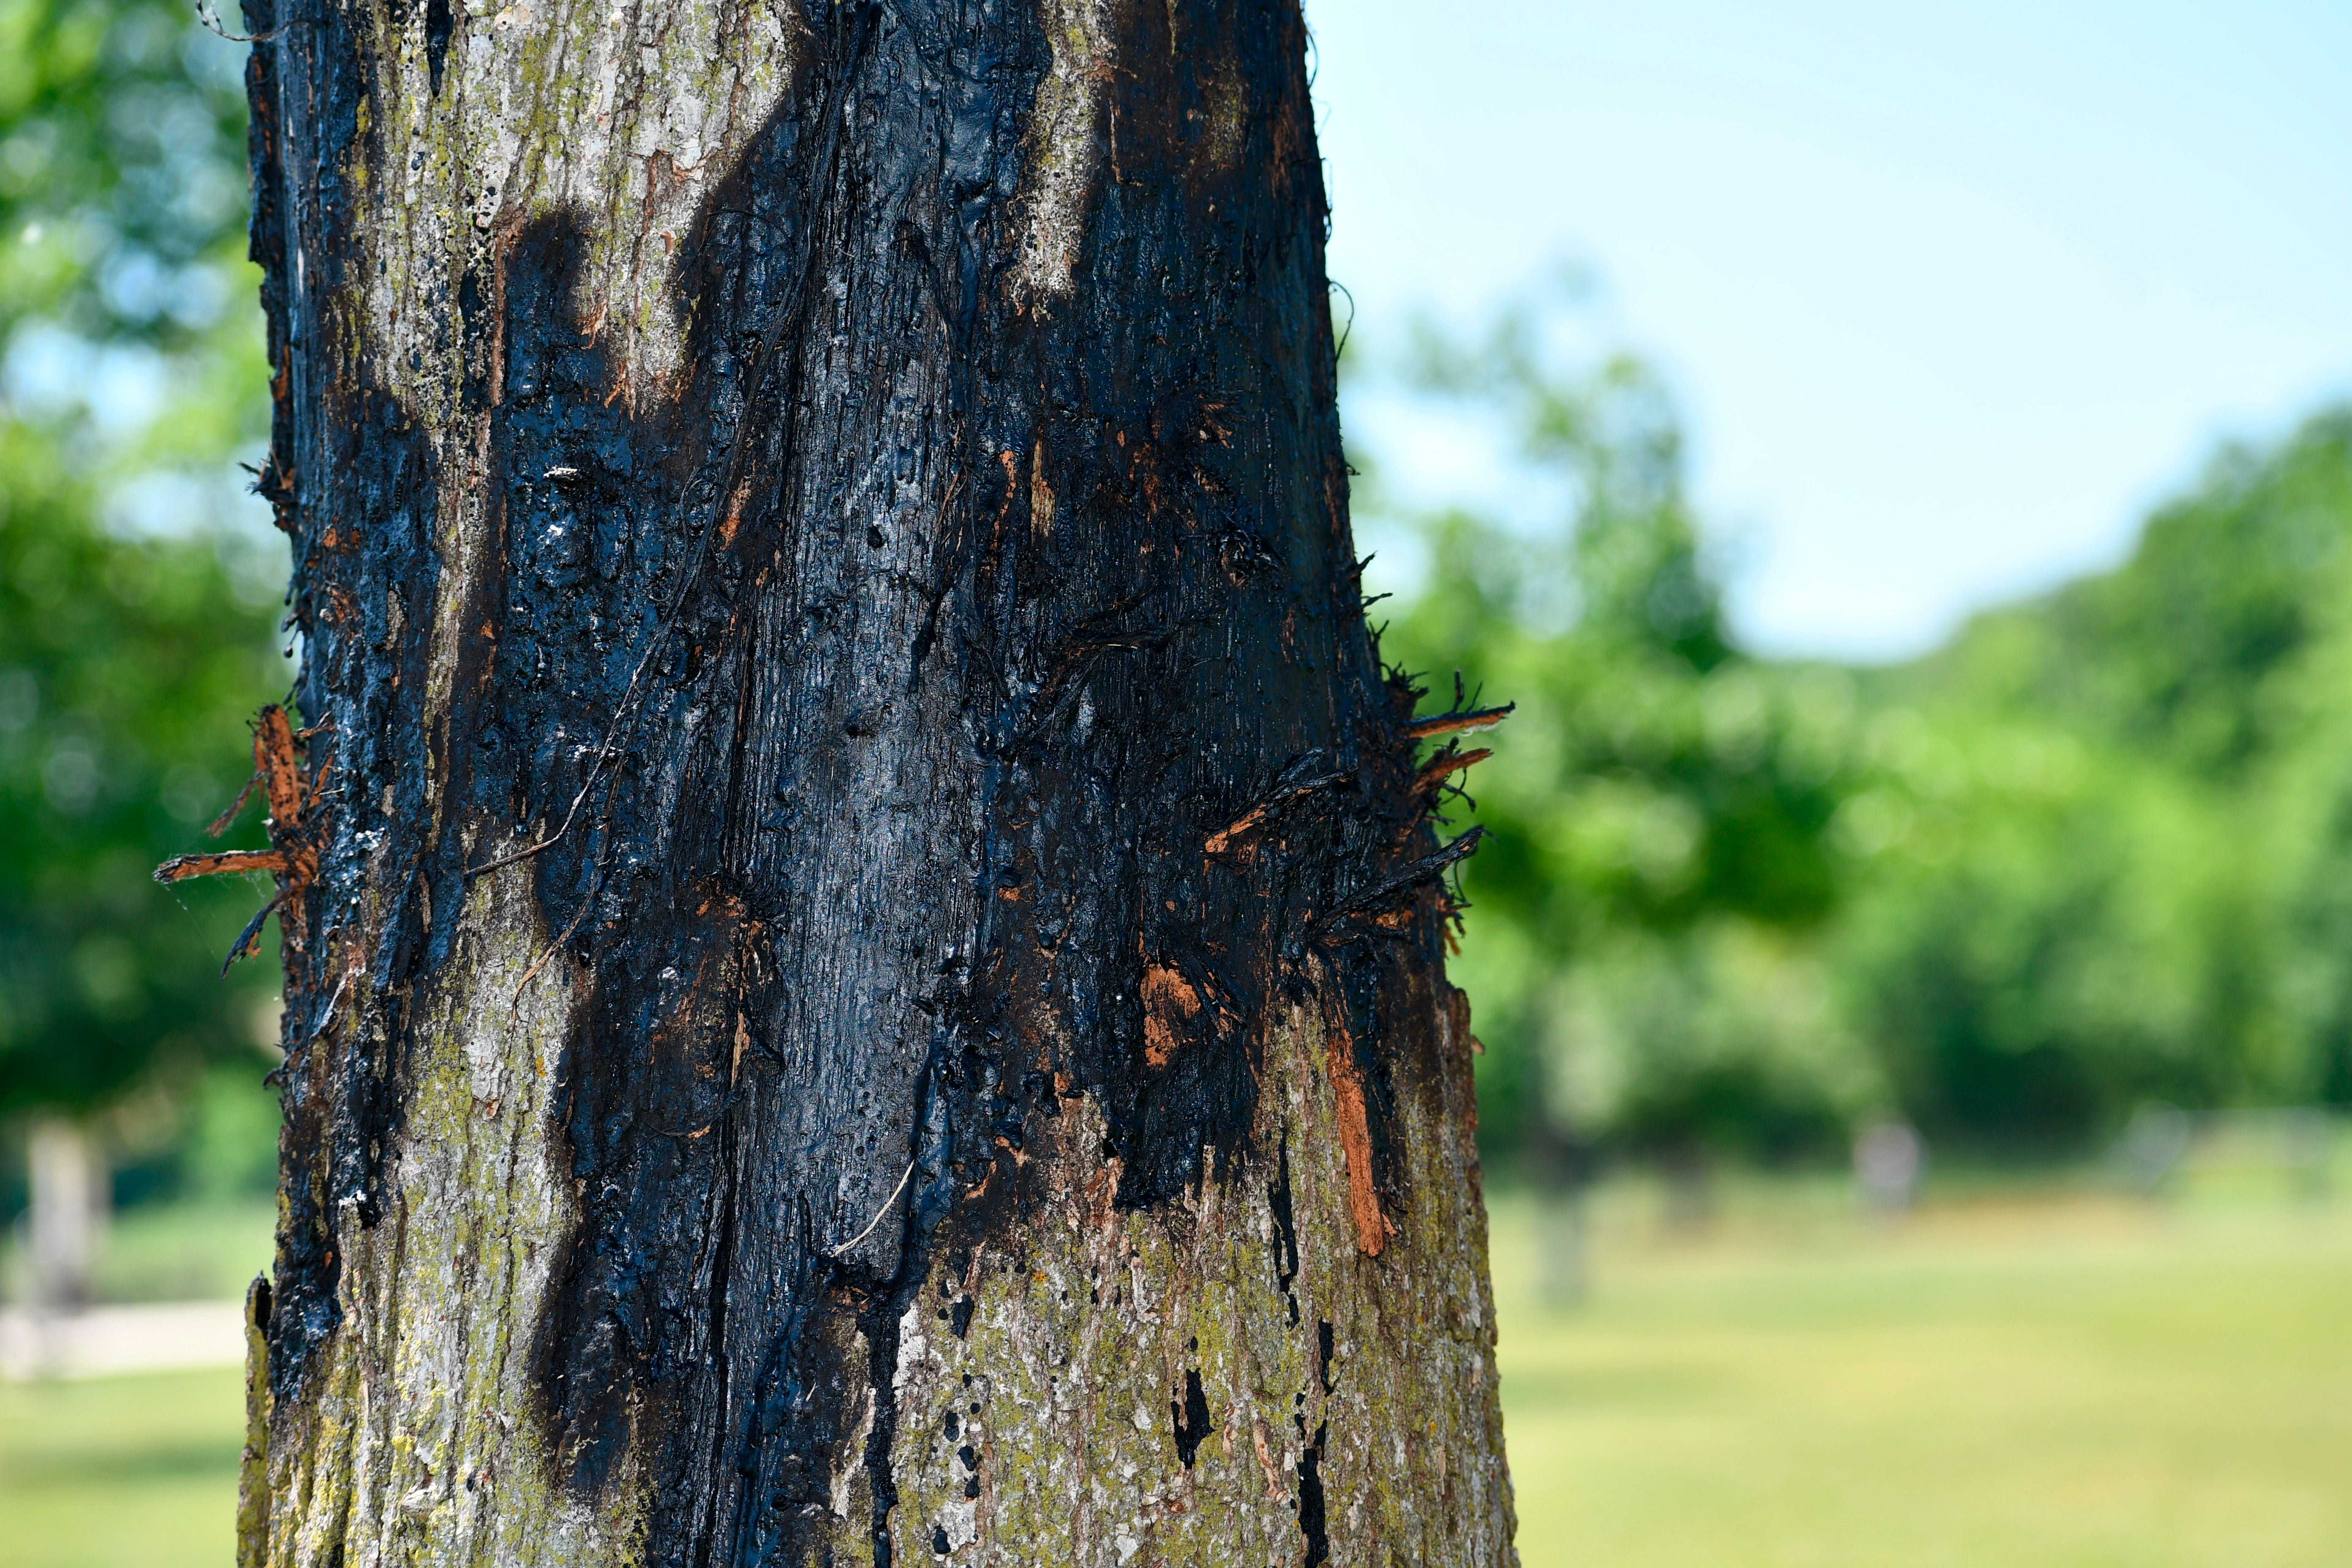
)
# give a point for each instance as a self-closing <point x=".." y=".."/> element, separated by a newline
<point x="101" y="1342"/>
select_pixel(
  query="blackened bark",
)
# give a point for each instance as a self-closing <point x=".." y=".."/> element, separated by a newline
<point x="858" y="803"/>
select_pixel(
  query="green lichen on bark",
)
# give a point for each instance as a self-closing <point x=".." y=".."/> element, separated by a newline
<point x="1064" y="144"/>
<point x="1042" y="1384"/>
<point x="252" y="1468"/>
<point x="620" y="116"/>
<point x="418" y="1445"/>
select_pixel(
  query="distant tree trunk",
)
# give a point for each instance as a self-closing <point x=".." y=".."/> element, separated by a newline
<point x="67" y="1214"/>
<point x="862" y="930"/>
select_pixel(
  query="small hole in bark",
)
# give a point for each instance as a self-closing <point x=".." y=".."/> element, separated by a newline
<point x="1190" y="1417"/>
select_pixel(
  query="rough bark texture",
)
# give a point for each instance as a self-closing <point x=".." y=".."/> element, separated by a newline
<point x="872" y="989"/>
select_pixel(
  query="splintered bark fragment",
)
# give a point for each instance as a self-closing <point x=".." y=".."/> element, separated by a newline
<point x="226" y="862"/>
<point x="1389" y="889"/>
<point x="1288" y="791"/>
<point x="277" y="773"/>
<point x="1445" y="765"/>
<point x="872" y="871"/>
<point x="1460" y="720"/>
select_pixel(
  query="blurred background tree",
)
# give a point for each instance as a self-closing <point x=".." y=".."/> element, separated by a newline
<point x="1645" y="951"/>
<point x="2104" y="861"/>
<point x="2090" y="854"/>
<point x="138" y="585"/>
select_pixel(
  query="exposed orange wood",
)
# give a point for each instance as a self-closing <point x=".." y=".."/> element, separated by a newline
<point x="1355" y="1140"/>
<point x="227" y="862"/>
<point x="1451" y="763"/>
<point x="1169" y="1002"/>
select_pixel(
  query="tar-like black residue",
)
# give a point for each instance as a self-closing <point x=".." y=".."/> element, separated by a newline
<point x="1310" y="1458"/>
<point x="877" y="687"/>
<point x="439" y="26"/>
<point x="1311" y="1523"/>
<point x="1285" y="1230"/>
<point x="1190" y="1417"/>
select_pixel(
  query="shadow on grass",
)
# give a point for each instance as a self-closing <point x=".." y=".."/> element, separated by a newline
<point x="115" y="1465"/>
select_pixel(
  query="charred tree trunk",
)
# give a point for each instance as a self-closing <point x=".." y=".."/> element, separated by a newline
<point x="862" y="925"/>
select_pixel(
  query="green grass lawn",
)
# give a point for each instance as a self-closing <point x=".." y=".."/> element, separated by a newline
<point x="2081" y="1381"/>
<point x="2006" y="1380"/>
<point x="120" y="1472"/>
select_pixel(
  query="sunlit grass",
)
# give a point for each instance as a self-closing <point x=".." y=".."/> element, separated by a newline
<point x="187" y="1252"/>
<point x="123" y="1472"/>
<point x="2079" y="1382"/>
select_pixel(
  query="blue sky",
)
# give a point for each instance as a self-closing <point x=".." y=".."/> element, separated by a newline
<point x="1949" y="294"/>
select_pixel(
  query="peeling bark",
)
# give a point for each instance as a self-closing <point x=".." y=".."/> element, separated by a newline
<point x="869" y="980"/>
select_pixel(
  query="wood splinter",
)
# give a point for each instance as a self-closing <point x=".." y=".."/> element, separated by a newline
<point x="1445" y="765"/>
<point x="1459" y="719"/>
<point x="292" y="858"/>
<point x="1256" y="817"/>
<point x="1372" y="1227"/>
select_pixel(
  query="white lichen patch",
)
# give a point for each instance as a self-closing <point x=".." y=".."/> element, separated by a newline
<point x="422" y="1449"/>
<point x="1064" y="147"/>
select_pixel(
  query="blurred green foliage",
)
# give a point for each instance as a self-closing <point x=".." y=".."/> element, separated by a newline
<point x="2095" y="850"/>
<point x="137" y="595"/>
<point x="1649" y="906"/>
<point x="121" y="172"/>
<point x="2109" y="857"/>
<point x="126" y="668"/>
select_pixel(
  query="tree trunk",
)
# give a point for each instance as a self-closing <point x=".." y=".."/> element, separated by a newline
<point x="68" y="1186"/>
<point x="864" y="930"/>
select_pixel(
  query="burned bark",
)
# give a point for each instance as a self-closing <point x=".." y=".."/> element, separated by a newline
<point x="869" y="984"/>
